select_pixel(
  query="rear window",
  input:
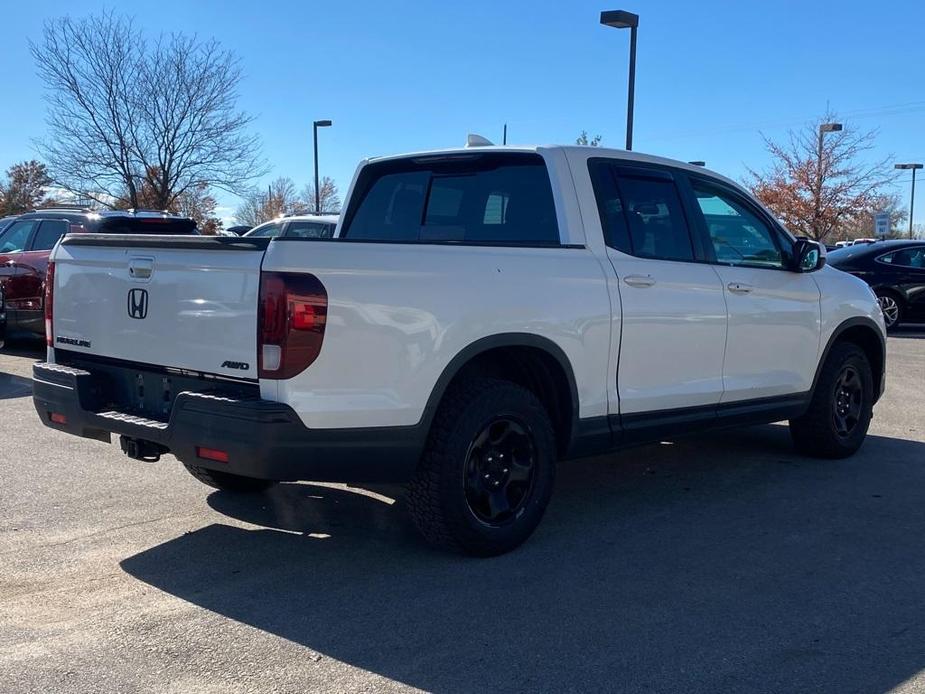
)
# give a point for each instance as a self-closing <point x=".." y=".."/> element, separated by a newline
<point x="490" y="198"/>
<point x="48" y="234"/>
<point x="147" y="225"/>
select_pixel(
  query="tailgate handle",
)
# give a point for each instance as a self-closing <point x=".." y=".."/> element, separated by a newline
<point x="141" y="268"/>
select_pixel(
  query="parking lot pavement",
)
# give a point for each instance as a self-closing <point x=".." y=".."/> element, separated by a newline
<point x="721" y="563"/>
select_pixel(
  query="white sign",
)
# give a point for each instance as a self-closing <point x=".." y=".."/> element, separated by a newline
<point x="881" y="224"/>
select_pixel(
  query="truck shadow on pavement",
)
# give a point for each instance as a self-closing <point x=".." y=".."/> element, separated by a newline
<point x="12" y="386"/>
<point x="720" y="563"/>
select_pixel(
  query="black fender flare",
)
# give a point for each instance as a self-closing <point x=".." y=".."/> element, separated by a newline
<point x="484" y="344"/>
<point x="857" y="321"/>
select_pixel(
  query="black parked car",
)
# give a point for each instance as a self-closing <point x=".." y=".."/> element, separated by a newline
<point x="895" y="270"/>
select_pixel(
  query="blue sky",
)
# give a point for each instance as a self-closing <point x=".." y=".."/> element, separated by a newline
<point x="393" y="76"/>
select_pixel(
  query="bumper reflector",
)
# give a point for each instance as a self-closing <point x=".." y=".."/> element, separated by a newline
<point x="212" y="454"/>
<point x="57" y="418"/>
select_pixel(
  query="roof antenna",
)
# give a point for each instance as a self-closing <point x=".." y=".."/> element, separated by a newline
<point x="473" y="140"/>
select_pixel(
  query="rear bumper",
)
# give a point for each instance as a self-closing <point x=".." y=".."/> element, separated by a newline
<point x="263" y="439"/>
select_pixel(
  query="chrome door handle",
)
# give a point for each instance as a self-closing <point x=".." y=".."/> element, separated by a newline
<point x="739" y="288"/>
<point x="639" y="280"/>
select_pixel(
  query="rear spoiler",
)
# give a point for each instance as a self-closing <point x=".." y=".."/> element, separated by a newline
<point x="216" y="243"/>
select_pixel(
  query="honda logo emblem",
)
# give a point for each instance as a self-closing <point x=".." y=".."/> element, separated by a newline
<point x="138" y="303"/>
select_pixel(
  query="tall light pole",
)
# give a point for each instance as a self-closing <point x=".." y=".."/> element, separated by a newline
<point x="823" y="129"/>
<point x="318" y="124"/>
<point x="914" y="167"/>
<point x="620" y="19"/>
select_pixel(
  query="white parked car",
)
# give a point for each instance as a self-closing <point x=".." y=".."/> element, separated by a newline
<point x="316" y="226"/>
<point x="480" y="314"/>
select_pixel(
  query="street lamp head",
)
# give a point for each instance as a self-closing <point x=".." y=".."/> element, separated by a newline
<point x="619" y="19"/>
<point x="908" y="166"/>
<point x="323" y="123"/>
<point x="830" y="127"/>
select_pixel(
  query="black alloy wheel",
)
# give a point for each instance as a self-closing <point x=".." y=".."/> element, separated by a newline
<point x="500" y="471"/>
<point x="849" y="397"/>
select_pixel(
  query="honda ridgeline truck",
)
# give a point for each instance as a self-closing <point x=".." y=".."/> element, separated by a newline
<point x="479" y="315"/>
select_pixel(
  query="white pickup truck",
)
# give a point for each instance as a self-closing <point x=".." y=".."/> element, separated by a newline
<point x="480" y="314"/>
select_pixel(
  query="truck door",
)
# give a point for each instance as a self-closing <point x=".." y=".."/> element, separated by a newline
<point x="774" y="322"/>
<point x="670" y="365"/>
<point x="13" y="242"/>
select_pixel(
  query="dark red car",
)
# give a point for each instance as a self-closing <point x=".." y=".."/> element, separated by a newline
<point x="26" y="243"/>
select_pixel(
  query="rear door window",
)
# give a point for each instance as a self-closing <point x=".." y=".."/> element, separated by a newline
<point x="641" y="211"/>
<point x="309" y="230"/>
<point x="48" y="234"/>
<point x="496" y="198"/>
<point x="907" y="257"/>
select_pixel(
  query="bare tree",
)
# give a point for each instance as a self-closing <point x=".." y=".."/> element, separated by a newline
<point x="583" y="139"/>
<point x="819" y="187"/>
<point x="24" y="188"/>
<point x="123" y="114"/>
<point x="328" y="196"/>
<point x="278" y="199"/>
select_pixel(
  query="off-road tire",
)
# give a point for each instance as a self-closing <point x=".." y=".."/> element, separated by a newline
<point x="437" y="496"/>
<point x="815" y="433"/>
<point x="227" y="481"/>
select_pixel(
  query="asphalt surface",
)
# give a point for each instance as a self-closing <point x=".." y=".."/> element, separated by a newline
<point x="721" y="563"/>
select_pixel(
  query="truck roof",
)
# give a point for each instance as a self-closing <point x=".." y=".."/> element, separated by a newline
<point x="584" y="149"/>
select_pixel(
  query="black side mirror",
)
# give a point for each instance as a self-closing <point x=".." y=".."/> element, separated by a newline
<point x="808" y="256"/>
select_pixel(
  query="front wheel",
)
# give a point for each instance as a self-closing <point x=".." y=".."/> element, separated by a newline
<point x="839" y="415"/>
<point x="487" y="474"/>
<point x="227" y="481"/>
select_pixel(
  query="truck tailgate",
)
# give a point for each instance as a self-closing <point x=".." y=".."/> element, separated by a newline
<point x="181" y="302"/>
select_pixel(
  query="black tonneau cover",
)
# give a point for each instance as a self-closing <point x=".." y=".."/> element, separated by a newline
<point x="218" y="243"/>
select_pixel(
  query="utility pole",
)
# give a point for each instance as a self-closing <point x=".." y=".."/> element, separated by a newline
<point x="914" y="167"/>
<point x="318" y="124"/>
<point x="621" y="19"/>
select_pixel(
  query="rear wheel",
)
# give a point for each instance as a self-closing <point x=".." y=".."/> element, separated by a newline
<point x="839" y="415"/>
<point x="487" y="474"/>
<point x="892" y="308"/>
<point x="227" y="481"/>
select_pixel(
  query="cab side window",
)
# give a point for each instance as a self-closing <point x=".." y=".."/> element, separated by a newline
<point x="739" y="236"/>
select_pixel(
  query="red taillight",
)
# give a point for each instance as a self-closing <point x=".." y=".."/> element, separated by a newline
<point x="58" y="418"/>
<point x="49" y="303"/>
<point x="212" y="454"/>
<point x="292" y="316"/>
